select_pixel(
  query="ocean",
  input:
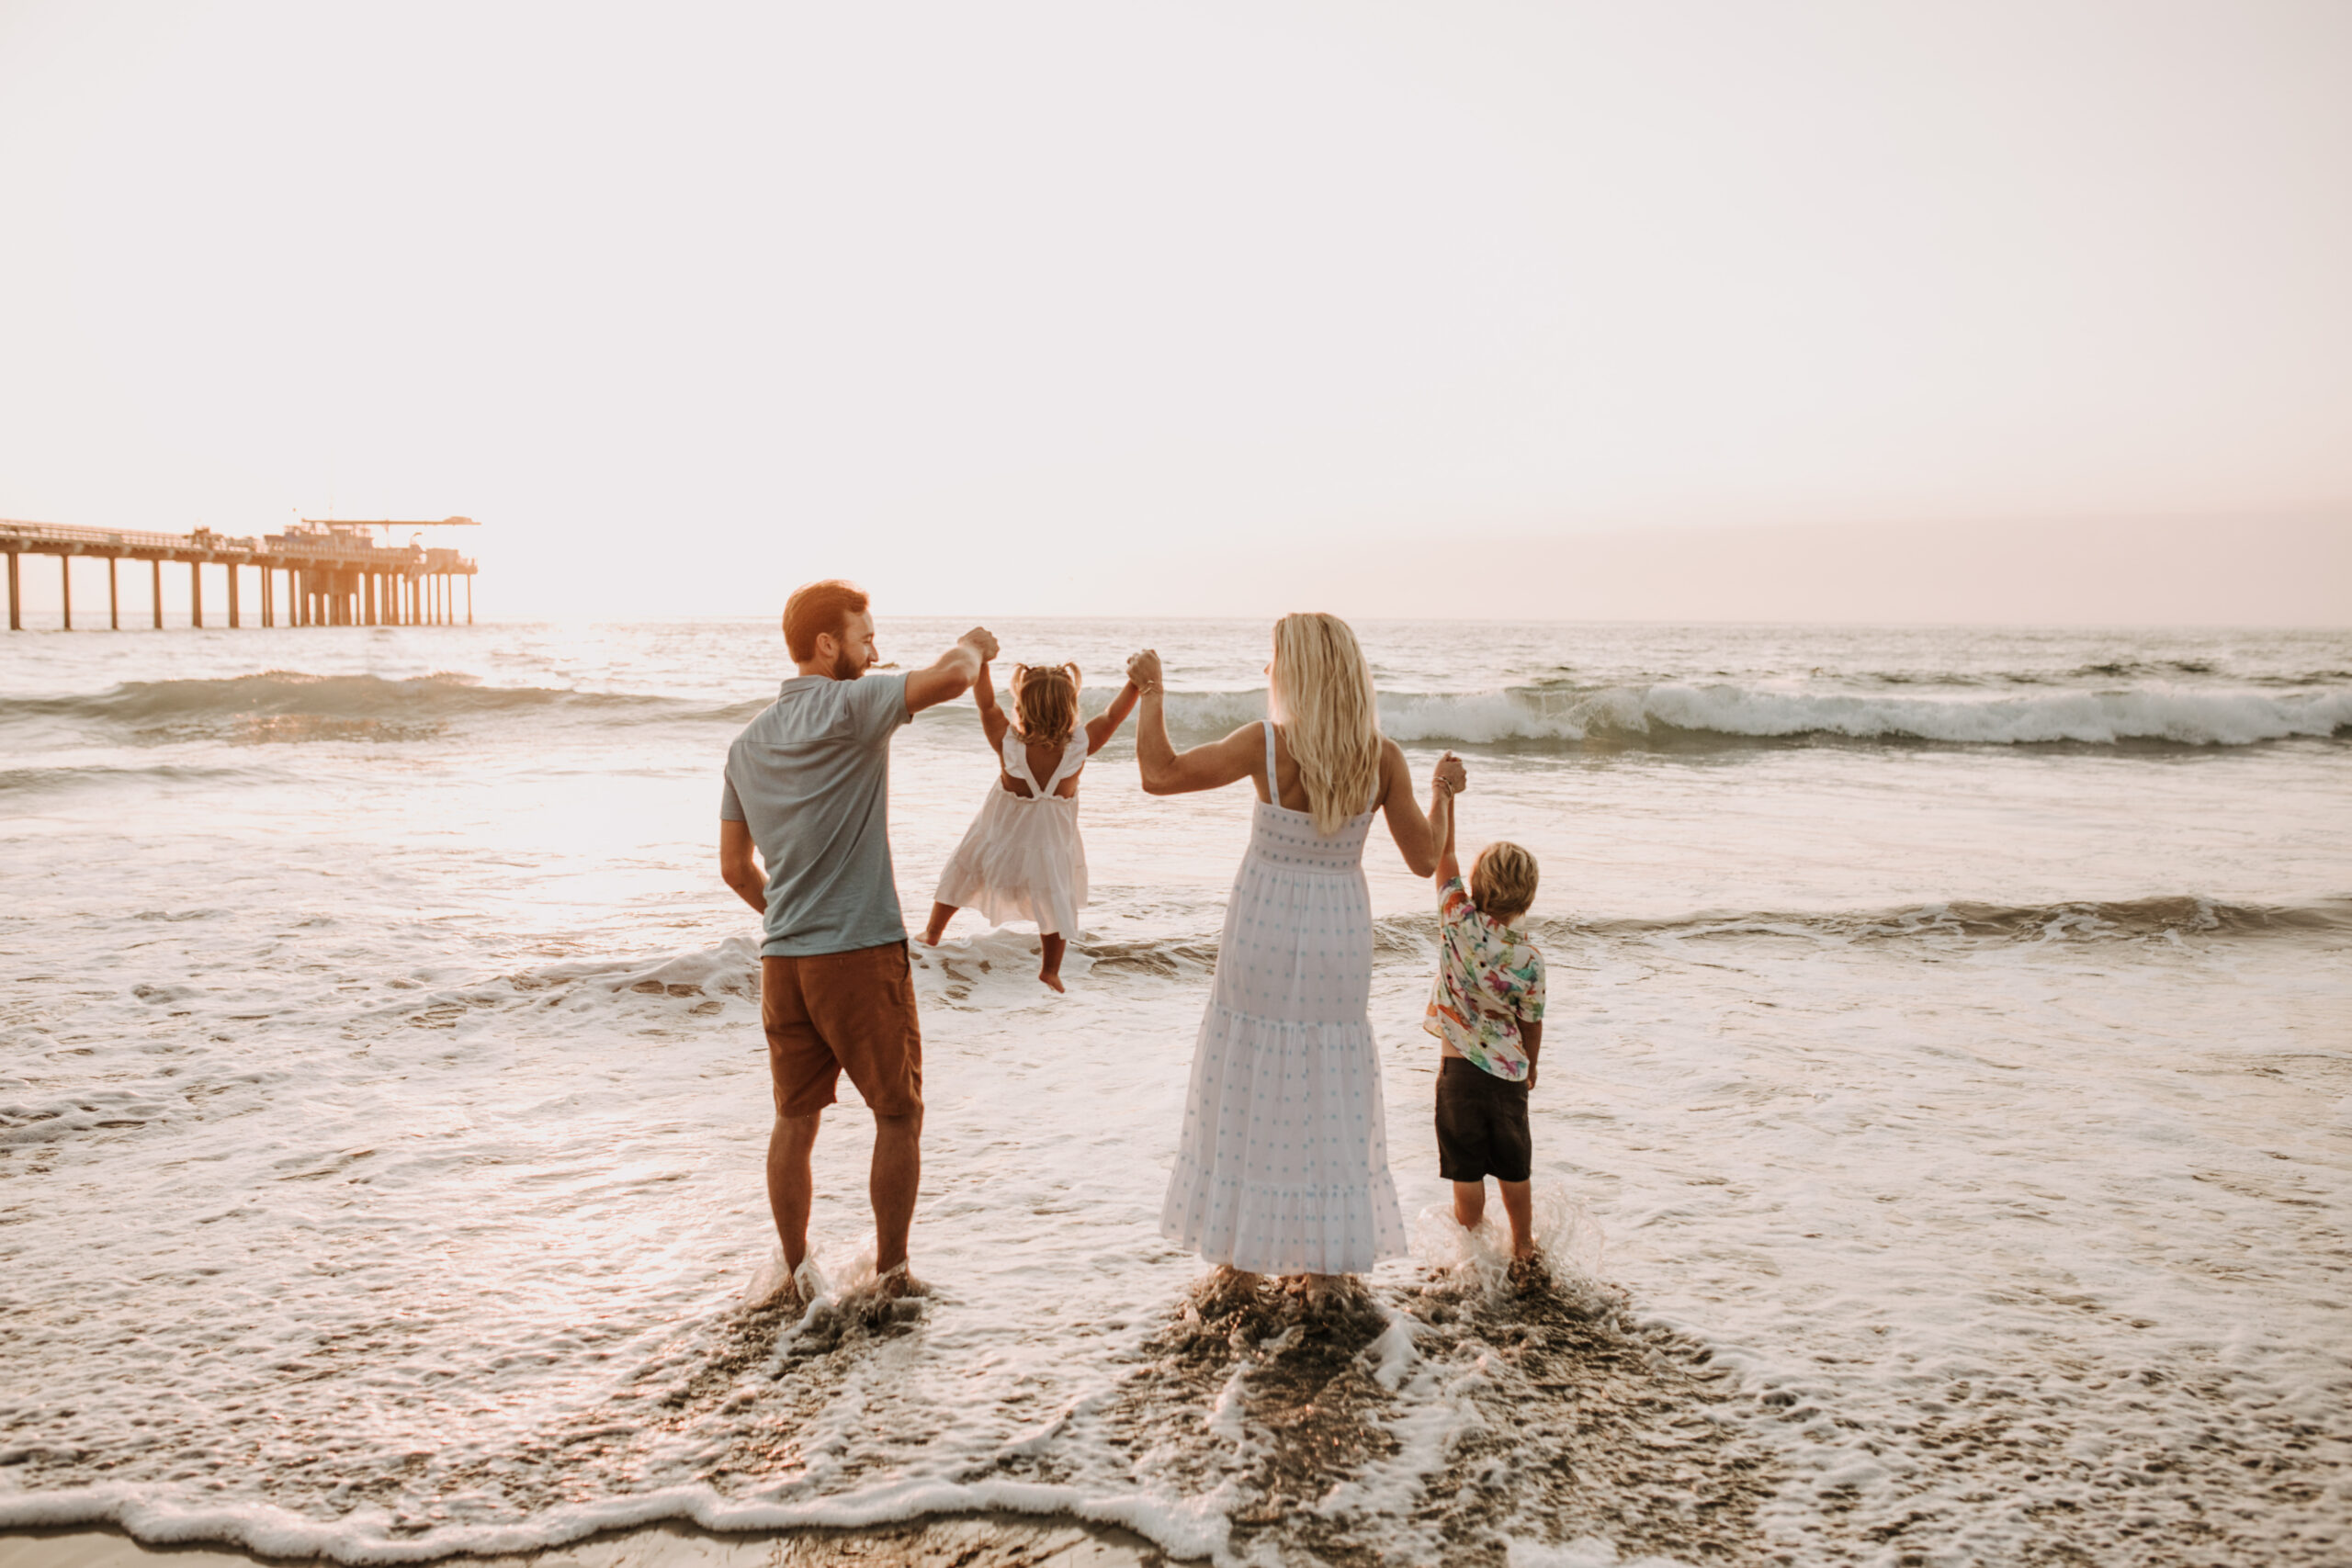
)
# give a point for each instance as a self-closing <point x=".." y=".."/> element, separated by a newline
<point x="1944" y="1135"/>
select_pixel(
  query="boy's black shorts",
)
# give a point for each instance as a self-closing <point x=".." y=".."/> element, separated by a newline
<point x="1481" y="1125"/>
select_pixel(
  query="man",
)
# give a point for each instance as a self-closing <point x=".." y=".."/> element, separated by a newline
<point x="807" y="794"/>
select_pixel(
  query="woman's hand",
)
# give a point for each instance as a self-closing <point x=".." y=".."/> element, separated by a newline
<point x="1143" y="669"/>
<point x="1452" y="773"/>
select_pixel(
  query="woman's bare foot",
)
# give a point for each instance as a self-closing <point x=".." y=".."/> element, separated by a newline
<point x="1053" y="981"/>
<point x="1228" y="1287"/>
<point x="1051" y="947"/>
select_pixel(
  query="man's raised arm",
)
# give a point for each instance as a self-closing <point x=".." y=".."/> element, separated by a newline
<point x="953" y="672"/>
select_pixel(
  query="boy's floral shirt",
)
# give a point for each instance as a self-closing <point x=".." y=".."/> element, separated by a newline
<point x="1490" y="980"/>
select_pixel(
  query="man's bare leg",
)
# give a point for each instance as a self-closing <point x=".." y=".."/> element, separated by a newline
<point x="940" y="915"/>
<point x="790" y="1183"/>
<point x="1050" y="971"/>
<point x="1519" y="1205"/>
<point x="1470" y="1203"/>
<point x="892" y="1184"/>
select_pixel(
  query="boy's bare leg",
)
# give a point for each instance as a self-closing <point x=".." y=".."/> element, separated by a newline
<point x="790" y="1184"/>
<point x="940" y="915"/>
<point x="895" y="1176"/>
<point x="1050" y="971"/>
<point x="1470" y="1203"/>
<point x="1518" y="1203"/>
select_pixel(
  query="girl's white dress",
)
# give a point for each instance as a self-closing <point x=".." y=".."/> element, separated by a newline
<point x="1020" y="859"/>
<point x="1284" y="1164"/>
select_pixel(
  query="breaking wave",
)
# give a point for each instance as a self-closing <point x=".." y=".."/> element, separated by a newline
<point x="1665" y="714"/>
<point x="1670" y="713"/>
<point x="2181" y="916"/>
<point x="292" y="694"/>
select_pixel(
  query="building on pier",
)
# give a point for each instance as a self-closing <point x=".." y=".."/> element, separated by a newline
<point x="336" y="575"/>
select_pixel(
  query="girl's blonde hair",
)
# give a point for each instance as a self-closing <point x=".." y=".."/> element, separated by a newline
<point x="1045" y="698"/>
<point x="1321" y="694"/>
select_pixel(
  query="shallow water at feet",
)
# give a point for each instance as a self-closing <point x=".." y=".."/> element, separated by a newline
<point x="1966" y="1110"/>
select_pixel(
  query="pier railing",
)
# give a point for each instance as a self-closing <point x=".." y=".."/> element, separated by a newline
<point x="334" y="577"/>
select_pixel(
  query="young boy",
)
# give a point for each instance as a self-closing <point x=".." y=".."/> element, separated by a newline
<point x="1486" y="1009"/>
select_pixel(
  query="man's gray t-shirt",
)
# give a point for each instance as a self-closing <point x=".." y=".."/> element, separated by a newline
<point x="810" y="777"/>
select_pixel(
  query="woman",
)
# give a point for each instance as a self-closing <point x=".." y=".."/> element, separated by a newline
<point x="1284" y="1164"/>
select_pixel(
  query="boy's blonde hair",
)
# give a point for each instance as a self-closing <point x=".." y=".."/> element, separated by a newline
<point x="1044" y="698"/>
<point x="1321" y="693"/>
<point x="1502" y="883"/>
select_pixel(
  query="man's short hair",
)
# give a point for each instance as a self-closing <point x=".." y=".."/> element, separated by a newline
<point x="1502" y="883"/>
<point x="817" y="609"/>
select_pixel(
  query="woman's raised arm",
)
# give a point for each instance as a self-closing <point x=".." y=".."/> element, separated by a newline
<point x="1167" y="771"/>
<point x="1419" y="835"/>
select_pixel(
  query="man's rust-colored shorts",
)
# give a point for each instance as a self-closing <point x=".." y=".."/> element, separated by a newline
<point x="842" y="1013"/>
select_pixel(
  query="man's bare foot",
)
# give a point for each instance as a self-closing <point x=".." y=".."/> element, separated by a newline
<point x="792" y="1292"/>
<point x="895" y="1282"/>
<point x="1053" y="980"/>
<point x="1529" y="1272"/>
<point x="783" y="1297"/>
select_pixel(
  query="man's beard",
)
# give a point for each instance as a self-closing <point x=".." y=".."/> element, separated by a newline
<point x="846" y="666"/>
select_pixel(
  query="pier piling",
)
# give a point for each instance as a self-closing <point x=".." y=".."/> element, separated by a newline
<point x="65" y="574"/>
<point x="114" y="598"/>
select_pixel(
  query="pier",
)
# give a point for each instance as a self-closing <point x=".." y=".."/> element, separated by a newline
<point x="336" y="575"/>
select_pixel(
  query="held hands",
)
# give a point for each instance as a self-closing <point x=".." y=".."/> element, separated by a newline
<point x="980" y="640"/>
<point x="1143" y="669"/>
<point x="1451" y="775"/>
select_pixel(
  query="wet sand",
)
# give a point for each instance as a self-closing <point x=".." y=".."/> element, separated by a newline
<point x="983" y="1541"/>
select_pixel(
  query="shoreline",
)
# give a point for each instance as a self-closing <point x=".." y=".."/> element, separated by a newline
<point x="990" y="1539"/>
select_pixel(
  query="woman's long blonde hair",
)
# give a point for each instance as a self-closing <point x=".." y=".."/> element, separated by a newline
<point x="1321" y="694"/>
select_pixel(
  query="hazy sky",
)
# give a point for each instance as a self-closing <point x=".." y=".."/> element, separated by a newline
<point x="1010" y="306"/>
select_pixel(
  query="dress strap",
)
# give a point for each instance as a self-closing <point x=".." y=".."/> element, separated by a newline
<point x="1016" y="760"/>
<point x="1273" y="784"/>
<point x="1073" y="758"/>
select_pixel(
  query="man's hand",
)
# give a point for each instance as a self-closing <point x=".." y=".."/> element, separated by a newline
<point x="1143" y="669"/>
<point x="954" y="672"/>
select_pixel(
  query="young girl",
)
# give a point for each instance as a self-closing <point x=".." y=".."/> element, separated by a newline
<point x="1022" y="858"/>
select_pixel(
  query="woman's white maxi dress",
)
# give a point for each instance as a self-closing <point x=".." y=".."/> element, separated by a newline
<point x="1022" y="858"/>
<point x="1284" y="1164"/>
